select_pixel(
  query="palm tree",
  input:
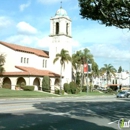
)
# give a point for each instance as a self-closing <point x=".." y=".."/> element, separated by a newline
<point x="95" y="72"/>
<point x="64" y="57"/>
<point x="2" y="61"/>
<point x="80" y="58"/>
<point x="76" y="62"/>
<point x="108" y="69"/>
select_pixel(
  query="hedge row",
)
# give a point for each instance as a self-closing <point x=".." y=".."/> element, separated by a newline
<point x="71" y="88"/>
<point x="28" y="88"/>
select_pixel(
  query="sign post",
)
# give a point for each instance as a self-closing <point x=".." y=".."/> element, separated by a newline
<point x="87" y="70"/>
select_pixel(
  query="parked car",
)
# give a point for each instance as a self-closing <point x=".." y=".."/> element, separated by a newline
<point x="127" y="91"/>
<point x="122" y="94"/>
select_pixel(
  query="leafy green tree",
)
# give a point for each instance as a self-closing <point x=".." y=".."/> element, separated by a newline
<point x="120" y="69"/>
<point x="2" y="61"/>
<point x="108" y="12"/>
<point x="93" y="74"/>
<point x="86" y="58"/>
<point x="64" y="57"/>
<point x="108" y="69"/>
<point x="95" y="69"/>
<point x="46" y="84"/>
<point x="80" y="58"/>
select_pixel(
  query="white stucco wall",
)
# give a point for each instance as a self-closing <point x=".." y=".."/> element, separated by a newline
<point x="13" y="58"/>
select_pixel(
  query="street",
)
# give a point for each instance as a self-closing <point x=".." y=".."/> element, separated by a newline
<point x="75" y="113"/>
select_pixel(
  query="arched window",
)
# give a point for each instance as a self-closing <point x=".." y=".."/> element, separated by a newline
<point x="67" y="26"/>
<point x="57" y="28"/>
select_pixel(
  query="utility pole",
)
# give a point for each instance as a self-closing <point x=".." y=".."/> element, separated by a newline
<point x="129" y="75"/>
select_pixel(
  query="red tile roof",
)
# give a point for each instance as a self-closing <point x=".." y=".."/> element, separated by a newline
<point x="31" y="71"/>
<point x="25" y="49"/>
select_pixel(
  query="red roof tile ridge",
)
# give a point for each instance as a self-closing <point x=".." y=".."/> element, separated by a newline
<point x="25" y="49"/>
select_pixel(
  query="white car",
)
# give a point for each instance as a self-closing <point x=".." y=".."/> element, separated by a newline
<point x="122" y="94"/>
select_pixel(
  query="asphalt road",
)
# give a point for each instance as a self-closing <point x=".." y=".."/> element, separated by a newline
<point x="78" y="113"/>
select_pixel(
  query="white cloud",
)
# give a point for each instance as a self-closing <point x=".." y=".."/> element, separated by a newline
<point x="22" y="40"/>
<point x="23" y="6"/>
<point x="5" y="22"/>
<point x="75" y="44"/>
<point x="109" y="51"/>
<point x="26" y="29"/>
<point x="44" y="42"/>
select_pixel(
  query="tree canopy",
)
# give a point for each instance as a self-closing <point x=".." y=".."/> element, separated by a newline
<point x="108" y="69"/>
<point x="63" y="57"/>
<point x="2" y="61"/>
<point x="108" y="12"/>
<point x="120" y="69"/>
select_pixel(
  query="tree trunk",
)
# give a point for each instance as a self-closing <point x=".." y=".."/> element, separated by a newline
<point x="61" y="81"/>
<point x="76" y="76"/>
<point x="1" y="82"/>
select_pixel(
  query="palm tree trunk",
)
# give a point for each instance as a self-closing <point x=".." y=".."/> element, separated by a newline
<point x="76" y="76"/>
<point x="82" y="78"/>
<point x="61" y="80"/>
<point x="107" y="81"/>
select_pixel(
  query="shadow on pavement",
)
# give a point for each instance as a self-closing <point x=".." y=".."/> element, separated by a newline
<point x="67" y="116"/>
<point x="46" y="122"/>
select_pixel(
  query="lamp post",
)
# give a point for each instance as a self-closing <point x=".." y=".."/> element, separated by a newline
<point x="129" y="75"/>
<point x="87" y="79"/>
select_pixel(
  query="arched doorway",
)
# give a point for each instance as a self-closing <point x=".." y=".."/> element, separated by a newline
<point x="21" y="81"/>
<point x="7" y="83"/>
<point x="36" y="83"/>
<point x="57" y="83"/>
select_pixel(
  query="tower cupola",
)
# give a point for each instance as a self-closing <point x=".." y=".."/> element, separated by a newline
<point x="60" y="24"/>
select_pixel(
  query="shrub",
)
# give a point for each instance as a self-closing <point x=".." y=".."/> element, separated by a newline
<point x="23" y="84"/>
<point x="84" y="88"/>
<point x="7" y="86"/>
<point x="57" y="91"/>
<point x="28" y="88"/>
<point x="66" y="88"/>
<point x="109" y="90"/>
<point x="62" y="92"/>
<point x="46" y="84"/>
<point x="74" y="88"/>
<point x="96" y="86"/>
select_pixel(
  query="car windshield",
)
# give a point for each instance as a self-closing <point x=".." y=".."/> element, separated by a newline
<point x="122" y="92"/>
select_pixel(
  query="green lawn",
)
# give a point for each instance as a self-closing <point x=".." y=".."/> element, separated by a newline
<point x="94" y="93"/>
<point x="7" y="93"/>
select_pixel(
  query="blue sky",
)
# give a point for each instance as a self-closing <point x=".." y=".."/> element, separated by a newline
<point x="27" y="22"/>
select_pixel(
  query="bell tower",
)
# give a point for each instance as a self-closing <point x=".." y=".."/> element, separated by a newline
<point x="60" y="37"/>
<point x="60" y="24"/>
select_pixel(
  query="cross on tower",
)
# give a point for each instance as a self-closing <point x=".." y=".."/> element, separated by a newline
<point x="61" y="4"/>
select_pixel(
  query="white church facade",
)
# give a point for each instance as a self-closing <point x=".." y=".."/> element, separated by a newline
<point x="30" y="65"/>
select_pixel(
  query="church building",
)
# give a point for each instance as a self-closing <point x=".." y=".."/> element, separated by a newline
<point x="30" y="65"/>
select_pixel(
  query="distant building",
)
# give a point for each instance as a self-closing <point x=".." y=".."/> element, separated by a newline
<point x="120" y="80"/>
